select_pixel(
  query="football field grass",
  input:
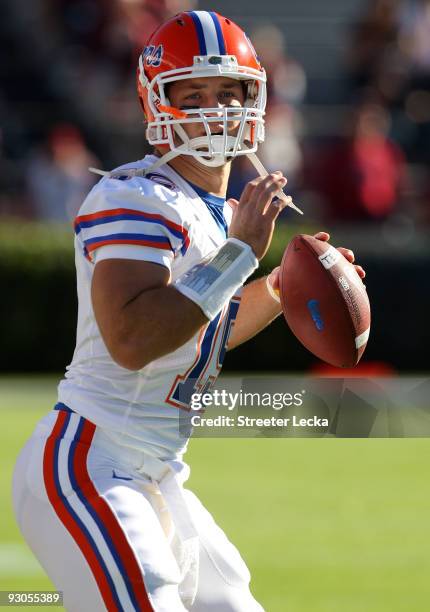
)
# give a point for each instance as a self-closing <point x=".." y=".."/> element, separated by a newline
<point x="325" y="525"/>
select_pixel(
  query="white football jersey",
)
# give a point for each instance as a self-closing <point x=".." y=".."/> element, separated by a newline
<point x="161" y="219"/>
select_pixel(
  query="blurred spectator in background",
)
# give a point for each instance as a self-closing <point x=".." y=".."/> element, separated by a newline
<point x="390" y="56"/>
<point x="373" y="42"/>
<point x="362" y="175"/>
<point x="58" y="178"/>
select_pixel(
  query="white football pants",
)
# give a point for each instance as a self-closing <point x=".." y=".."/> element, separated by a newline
<point x="115" y="531"/>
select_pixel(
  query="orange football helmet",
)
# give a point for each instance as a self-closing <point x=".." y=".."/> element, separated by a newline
<point x="201" y="44"/>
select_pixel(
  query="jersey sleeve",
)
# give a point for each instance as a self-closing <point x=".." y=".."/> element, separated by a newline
<point x="123" y="220"/>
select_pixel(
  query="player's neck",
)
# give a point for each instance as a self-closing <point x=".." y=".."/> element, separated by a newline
<point x="212" y="180"/>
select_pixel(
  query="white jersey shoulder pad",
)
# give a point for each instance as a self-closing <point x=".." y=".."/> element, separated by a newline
<point x="135" y="212"/>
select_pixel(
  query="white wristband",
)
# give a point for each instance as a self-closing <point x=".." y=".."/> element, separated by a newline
<point x="214" y="280"/>
<point x="272" y="291"/>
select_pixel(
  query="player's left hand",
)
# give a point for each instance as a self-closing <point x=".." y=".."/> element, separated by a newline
<point x="324" y="236"/>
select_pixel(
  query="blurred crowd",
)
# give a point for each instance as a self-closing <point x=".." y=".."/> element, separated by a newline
<point x="67" y="102"/>
<point x="379" y="164"/>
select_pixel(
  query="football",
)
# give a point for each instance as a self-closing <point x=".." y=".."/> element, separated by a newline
<point x="324" y="301"/>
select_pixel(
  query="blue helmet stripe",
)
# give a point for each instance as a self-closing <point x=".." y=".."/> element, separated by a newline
<point x="200" y="33"/>
<point x="220" y="37"/>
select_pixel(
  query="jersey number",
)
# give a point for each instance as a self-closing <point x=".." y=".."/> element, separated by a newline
<point x="203" y="373"/>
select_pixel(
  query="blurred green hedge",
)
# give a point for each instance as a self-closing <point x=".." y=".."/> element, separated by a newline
<point x="38" y="296"/>
<point x="38" y="303"/>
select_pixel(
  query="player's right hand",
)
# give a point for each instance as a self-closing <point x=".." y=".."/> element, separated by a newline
<point x="254" y="215"/>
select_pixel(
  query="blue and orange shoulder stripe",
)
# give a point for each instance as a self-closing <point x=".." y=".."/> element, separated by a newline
<point x="105" y="217"/>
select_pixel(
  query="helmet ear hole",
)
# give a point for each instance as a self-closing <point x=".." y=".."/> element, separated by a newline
<point x="251" y="90"/>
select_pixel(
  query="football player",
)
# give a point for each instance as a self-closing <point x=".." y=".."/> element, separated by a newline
<point x="161" y="261"/>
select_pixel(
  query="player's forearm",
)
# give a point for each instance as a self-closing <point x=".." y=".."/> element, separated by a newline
<point x="257" y="309"/>
<point x="155" y="323"/>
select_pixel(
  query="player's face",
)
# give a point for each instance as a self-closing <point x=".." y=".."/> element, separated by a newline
<point x="207" y="92"/>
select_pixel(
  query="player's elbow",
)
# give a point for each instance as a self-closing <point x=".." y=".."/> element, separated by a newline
<point x="129" y="362"/>
<point x="128" y="355"/>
